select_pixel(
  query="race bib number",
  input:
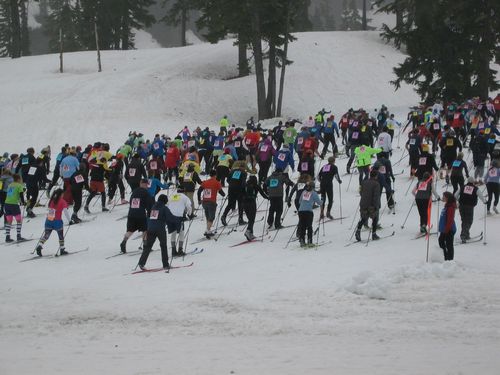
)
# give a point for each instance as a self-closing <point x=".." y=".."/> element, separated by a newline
<point x="422" y="186"/>
<point x="236" y="175"/>
<point x="480" y="125"/>
<point x="487" y="131"/>
<point x="25" y="161"/>
<point x="493" y="172"/>
<point x="131" y="172"/>
<point x="381" y="141"/>
<point x="156" y="146"/>
<point x="382" y="169"/>
<point x="300" y="140"/>
<point x="188" y="176"/>
<point x="65" y="168"/>
<point x="363" y="128"/>
<point x="150" y="183"/>
<point x="288" y="134"/>
<point x="327" y="168"/>
<point x="468" y="190"/>
<point x="304" y="166"/>
<point x="306" y="196"/>
<point x="449" y="142"/>
<point x="52" y="214"/>
<point x="79" y="179"/>
<point x="216" y="143"/>
<point x="422" y="161"/>
<point x="282" y="157"/>
<point x="1" y="185"/>
<point x="273" y="183"/>
<point x="153" y="165"/>
<point x="191" y="143"/>
<point x="175" y="198"/>
<point x="362" y="149"/>
<point x="136" y="203"/>
<point x="207" y="194"/>
<point x="32" y="171"/>
<point x="248" y="141"/>
<point x="308" y="144"/>
<point x="264" y="148"/>
<point x="355" y="135"/>
<point x="436" y="126"/>
<point x="238" y="143"/>
<point x="456" y="164"/>
<point x="154" y="214"/>
<point x="456" y="116"/>
<point x="413" y="141"/>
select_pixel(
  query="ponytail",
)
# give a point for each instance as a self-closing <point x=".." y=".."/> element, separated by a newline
<point x="56" y="195"/>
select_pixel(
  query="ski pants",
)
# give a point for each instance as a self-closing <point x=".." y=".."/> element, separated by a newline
<point x="305" y="226"/>
<point x="467" y="215"/>
<point x="250" y="208"/>
<point x="275" y="211"/>
<point x="113" y="185"/>
<point x="456" y="182"/>
<point x="264" y="170"/>
<point x="233" y="197"/>
<point x="446" y="243"/>
<point x="493" y="190"/>
<point x="327" y="191"/>
<point x="423" y="205"/>
<point x="32" y="195"/>
<point x="151" y="237"/>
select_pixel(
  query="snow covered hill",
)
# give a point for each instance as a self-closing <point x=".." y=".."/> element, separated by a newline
<point x="259" y="308"/>
<point x="161" y="89"/>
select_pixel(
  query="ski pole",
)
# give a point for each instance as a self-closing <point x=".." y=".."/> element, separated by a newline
<point x="349" y="184"/>
<point x="409" y="186"/>
<point x="290" y="239"/>
<point x="64" y="237"/>
<point x="340" y="198"/>
<point x="38" y="243"/>
<point x="265" y="214"/>
<point x="407" y="216"/>
<point x="220" y="211"/>
<point x="484" y="229"/>
<point x="282" y="219"/>
<point x="354" y="218"/>
<point x="369" y="235"/>
<point x="404" y="156"/>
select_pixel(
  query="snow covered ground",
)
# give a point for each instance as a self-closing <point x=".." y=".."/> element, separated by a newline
<point x="253" y="309"/>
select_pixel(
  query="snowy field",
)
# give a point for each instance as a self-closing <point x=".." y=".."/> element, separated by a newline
<point x="254" y="309"/>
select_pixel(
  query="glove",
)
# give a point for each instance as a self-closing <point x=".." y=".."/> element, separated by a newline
<point x="340" y="182"/>
<point x="393" y="179"/>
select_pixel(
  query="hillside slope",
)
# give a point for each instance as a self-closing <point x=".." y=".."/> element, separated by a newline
<point x="161" y="89"/>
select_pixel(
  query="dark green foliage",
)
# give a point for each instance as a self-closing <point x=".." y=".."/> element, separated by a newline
<point x="450" y="45"/>
<point x="351" y="19"/>
<point x="65" y="17"/>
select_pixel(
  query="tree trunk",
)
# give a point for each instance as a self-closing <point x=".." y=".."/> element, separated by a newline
<point x="125" y="28"/>
<point x="61" y="51"/>
<point x="99" y="66"/>
<point x="283" y="64"/>
<point x="259" y="65"/>
<point x="271" y="82"/>
<point x="364" y="23"/>
<point x="243" y="68"/>
<point x="25" y="34"/>
<point x="15" y="26"/>
<point x="183" y="27"/>
<point x="399" y="14"/>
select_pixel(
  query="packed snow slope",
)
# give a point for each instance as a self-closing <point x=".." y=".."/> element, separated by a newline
<point x="260" y="308"/>
<point x="161" y="89"/>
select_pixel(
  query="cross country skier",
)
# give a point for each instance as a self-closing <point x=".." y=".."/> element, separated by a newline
<point x="78" y="182"/>
<point x="57" y="206"/>
<point x="139" y="208"/>
<point x="209" y="190"/>
<point x="159" y="217"/>
<point x="273" y="187"/>
<point x="492" y="181"/>
<point x="180" y="206"/>
<point x="385" y="177"/>
<point x="423" y="192"/>
<point x="36" y="175"/>
<point x="11" y="208"/>
<point x="369" y="204"/>
<point x="116" y="179"/>
<point x="306" y="216"/>
<point x="325" y="177"/>
<point x="135" y="172"/>
<point x="236" y="183"/>
<point x="96" y="185"/>
<point x="251" y="190"/>
<point x="447" y="227"/>
<point x="467" y="198"/>
<point x="68" y="166"/>
<point x="364" y="156"/>
<point x="457" y="168"/>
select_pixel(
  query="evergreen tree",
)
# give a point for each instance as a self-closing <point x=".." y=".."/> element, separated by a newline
<point x="5" y="32"/>
<point x="450" y="45"/>
<point x="64" y="17"/>
<point x="351" y="19"/>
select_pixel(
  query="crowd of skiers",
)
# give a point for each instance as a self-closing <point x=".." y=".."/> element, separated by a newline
<point x="251" y="162"/>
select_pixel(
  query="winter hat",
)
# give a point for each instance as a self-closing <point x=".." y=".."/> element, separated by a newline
<point x="163" y="198"/>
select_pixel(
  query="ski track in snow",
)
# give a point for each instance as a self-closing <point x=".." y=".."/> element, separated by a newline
<point x="257" y="308"/>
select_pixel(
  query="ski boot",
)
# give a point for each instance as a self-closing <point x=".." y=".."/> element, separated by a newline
<point x="8" y="239"/>
<point x="20" y="238"/>
<point x="358" y="235"/>
<point x="123" y="248"/>
<point x="241" y="221"/>
<point x="39" y="250"/>
<point x="223" y="220"/>
<point x="375" y="236"/>
<point x="249" y="235"/>
<point x="62" y="251"/>
<point x="105" y="209"/>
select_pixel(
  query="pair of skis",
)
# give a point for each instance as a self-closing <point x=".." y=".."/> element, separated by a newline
<point x="56" y="255"/>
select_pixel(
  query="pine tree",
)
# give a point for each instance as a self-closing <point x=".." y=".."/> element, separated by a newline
<point x="63" y="18"/>
<point x="450" y="45"/>
<point x="5" y="32"/>
<point x="351" y="19"/>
